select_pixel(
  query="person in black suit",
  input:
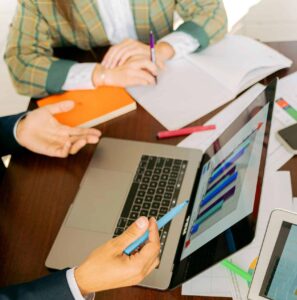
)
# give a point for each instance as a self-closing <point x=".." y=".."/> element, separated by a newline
<point x="106" y="267"/>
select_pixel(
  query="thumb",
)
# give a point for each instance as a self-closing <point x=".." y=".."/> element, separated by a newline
<point x="135" y="231"/>
<point x="60" y="107"/>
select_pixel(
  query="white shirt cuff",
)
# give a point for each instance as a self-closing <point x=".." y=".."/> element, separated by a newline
<point x="79" y="77"/>
<point x="16" y="126"/>
<point x="181" y="42"/>
<point x="74" y="288"/>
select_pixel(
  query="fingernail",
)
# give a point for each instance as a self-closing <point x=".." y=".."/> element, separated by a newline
<point x="142" y="222"/>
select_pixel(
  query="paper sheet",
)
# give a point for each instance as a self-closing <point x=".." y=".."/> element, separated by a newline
<point x="276" y="193"/>
<point x="193" y="86"/>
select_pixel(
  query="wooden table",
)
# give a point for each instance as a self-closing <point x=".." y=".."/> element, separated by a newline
<point x="37" y="191"/>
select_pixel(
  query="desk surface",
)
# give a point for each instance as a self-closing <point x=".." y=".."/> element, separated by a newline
<point x="37" y="191"/>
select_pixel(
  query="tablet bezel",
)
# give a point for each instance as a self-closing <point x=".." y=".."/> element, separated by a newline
<point x="275" y="223"/>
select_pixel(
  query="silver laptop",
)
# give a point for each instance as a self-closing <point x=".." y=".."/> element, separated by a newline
<point x="127" y="179"/>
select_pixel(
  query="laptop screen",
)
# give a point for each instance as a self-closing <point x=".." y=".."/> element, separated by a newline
<point x="223" y="209"/>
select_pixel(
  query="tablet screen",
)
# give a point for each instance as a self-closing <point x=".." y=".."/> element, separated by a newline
<point x="280" y="281"/>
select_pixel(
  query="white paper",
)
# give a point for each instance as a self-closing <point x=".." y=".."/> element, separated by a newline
<point x="276" y="193"/>
<point x="191" y="87"/>
<point x="237" y="60"/>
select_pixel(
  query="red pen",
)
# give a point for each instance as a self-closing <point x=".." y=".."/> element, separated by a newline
<point x="184" y="131"/>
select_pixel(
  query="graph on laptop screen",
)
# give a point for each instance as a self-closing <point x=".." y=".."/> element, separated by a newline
<point x="227" y="185"/>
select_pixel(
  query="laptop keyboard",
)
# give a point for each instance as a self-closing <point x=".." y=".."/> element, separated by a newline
<point x="154" y="191"/>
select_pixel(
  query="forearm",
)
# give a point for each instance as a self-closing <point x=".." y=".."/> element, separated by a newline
<point x="206" y="22"/>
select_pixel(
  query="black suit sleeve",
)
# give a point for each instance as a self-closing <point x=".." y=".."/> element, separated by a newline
<point x="8" y="143"/>
<point x="52" y="287"/>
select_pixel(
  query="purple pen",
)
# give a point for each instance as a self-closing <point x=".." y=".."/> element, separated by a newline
<point x="152" y="49"/>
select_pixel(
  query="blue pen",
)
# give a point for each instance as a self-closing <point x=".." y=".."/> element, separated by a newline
<point x="161" y="223"/>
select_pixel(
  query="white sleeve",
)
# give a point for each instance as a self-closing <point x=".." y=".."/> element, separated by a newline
<point x="74" y="288"/>
<point x="181" y="42"/>
<point x="79" y="77"/>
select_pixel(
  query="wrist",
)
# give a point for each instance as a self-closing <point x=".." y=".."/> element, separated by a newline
<point x="99" y="76"/>
<point x="164" y="51"/>
<point x="19" y="131"/>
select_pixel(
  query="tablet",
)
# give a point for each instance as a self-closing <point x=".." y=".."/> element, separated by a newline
<point x="275" y="277"/>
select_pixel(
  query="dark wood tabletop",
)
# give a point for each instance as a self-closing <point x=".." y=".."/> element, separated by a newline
<point x="36" y="192"/>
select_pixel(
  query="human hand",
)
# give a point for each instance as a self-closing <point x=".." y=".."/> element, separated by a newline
<point x="119" y="54"/>
<point x="136" y="71"/>
<point x="108" y="267"/>
<point x="40" y="132"/>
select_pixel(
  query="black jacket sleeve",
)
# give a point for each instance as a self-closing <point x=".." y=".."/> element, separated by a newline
<point x="51" y="287"/>
<point x="8" y="143"/>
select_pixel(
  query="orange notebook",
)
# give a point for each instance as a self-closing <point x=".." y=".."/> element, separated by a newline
<point x="92" y="106"/>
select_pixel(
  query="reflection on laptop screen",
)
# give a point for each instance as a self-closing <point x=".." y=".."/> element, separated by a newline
<point x="280" y="281"/>
<point x="227" y="187"/>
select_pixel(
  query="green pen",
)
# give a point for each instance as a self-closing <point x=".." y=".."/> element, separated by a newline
<point x="232" y="267"/>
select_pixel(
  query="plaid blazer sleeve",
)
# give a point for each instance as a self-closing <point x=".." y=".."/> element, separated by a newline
<point x="29" y="55"/>
<point x="205" y="20"/>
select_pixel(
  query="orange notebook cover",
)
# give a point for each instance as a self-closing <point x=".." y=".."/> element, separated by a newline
<point x="92" y="106"/>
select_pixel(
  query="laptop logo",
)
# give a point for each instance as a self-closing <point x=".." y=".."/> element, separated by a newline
<point x="186" y="225"/>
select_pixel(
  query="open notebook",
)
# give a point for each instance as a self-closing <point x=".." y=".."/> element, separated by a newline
<point x="92" y="107"/>
<point x="195" y="85"/>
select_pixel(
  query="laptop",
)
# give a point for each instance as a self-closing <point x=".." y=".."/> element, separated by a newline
<point x="127" y="179"/>
<point x="275" y="275"/>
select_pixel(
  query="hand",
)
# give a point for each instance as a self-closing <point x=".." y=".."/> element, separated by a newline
<point x="136" y="71"/>
<point x="40" y="132"/>
<point x="108" y="268"/>
<point x="119" y="54"/>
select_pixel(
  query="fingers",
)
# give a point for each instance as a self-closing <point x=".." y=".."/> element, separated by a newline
<point x="135" y="231"/>
<point x="60" y="107"/>
<point x="145" y="64"/>
<point x="78" y="145"/>
<point x="77" y="131"/>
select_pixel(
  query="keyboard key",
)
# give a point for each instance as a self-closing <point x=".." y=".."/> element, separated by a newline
<point x="143" y="186"/>
<point x="155" y="177"/>
<point x="146" y="179"/>
<point x="148" y="173"/>
<point x="165" y="203"/>
<point x="163" y="210"/>
<point x="160" y="190"/>
<point x="150" y="191"/>
<point x="168" y="195"/>
<point x="136" y="208"/>
<point x="172" y="181"/>
<point x="168" y="162"/>
<point x="166" y="170"/>
<point x="162" y="183"/>
<point x="146" y="205"/>
<point x="175" y="168"/>
<point x="153" y="184"/>
<point x="129" y="222"/>
<point x="153" y="213"/>
<point x="158" y="198"/>
<point x="119" y="231"/>
<point x="148" y="198"/>
<point x="164" y="177"/>
<point x="173" y="175"/>
<point x="177" y="162"/>
<point x="156" y="205"/>
<point x="170" y="188"/>
<point x="157" y="171"/>
<point x="140" y="193"/>
<point x="138" y="200"/>
<point x="144" y="157"/>
<point x="122" y="222"/>
<point x="151" y="162"/>
<point x="133" y="215"/>
<point x="160" y="162"/>
<point x="144" y="212"/>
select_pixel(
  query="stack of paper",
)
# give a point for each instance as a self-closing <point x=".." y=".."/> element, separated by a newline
<point x="193" y="86"/>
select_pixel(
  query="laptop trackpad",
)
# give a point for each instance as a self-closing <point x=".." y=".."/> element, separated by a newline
<point x="100" y="200"/>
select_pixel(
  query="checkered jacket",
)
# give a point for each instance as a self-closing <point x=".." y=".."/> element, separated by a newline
<point x="38" y="27"/>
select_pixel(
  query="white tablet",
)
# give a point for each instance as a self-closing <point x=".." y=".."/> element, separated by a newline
<point x="275" y="277"/>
